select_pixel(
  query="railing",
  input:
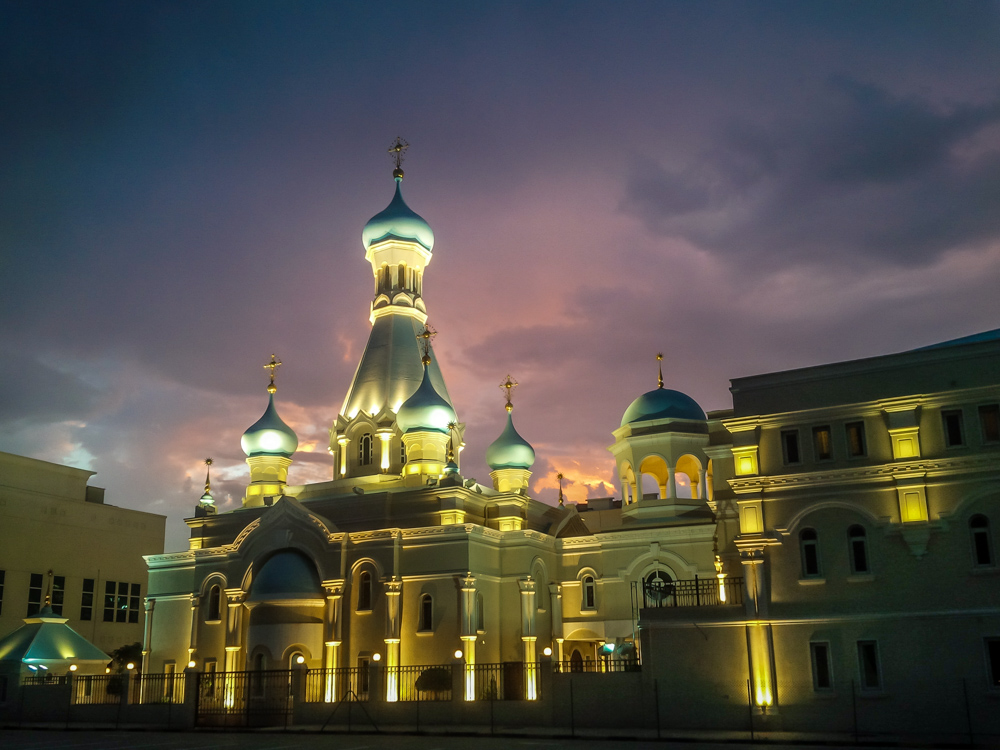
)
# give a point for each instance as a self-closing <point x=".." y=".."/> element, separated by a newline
<point x="333" y="685"/>
<point x="511" y="681"/>
<point x="428" y="683"/>
<point x="157" y="688"/>
<point x="97" y="689"/>
<point x="700" y="592"/>
<point x="601" y="666"/>
<point x="44" y="679"/>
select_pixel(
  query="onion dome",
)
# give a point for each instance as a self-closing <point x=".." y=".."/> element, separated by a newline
<point x="510" y="450"/>
<point x="398" y="221"/>
<point x="663" y="403"/>
<point x="425" y="409"/>
<point x="269" y="435"/>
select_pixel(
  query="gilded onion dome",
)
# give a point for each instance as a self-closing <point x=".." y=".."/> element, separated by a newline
<point x="510" y="450"/>
<point x="425" y="409"/>
<point x="398" y="221"/>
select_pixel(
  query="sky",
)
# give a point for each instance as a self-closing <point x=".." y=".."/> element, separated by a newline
<point x="746" y="187"/>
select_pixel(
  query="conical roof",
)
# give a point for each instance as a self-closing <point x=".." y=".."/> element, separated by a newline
<point x="47" y="638"/>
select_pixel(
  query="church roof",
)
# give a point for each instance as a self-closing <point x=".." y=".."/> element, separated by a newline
<point x="47" y="638"/>
<point x="510" y="450"/>
<point x="398" y="221"/>
<point x="663" y="403"/>
<point x="426" y="409"/>
<point x="269" y="435"/>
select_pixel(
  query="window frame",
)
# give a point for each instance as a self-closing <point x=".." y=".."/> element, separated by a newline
<point x="365" y="593"/>
<point x="425" y="614"/>
<point x="87" y="599"/>
<point x="991" y="649"/>
<point x="862" y="438"/>
<point x="791" y="438"/>
<point x="959" y="417"/>
<point x="856" y="541"/>
<point x="827" y="660"/>
<point x="879" y="685"/>
<point x="981" y="533"/>
<point x="366" y="449"/>
<point x="35" y="593"/>
<point x="588" y="593"/>
<point x="989" y="428"/>
<point x="816" y="432"/>
<point x="213" y="613"/>
<point x="809" y="540"/>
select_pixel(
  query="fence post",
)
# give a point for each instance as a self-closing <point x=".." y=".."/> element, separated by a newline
<point x="697" y="592"/>
<point x="123" y="696"/>
<point x="192" y="696"/>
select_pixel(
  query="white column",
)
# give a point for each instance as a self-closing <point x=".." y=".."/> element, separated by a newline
<point x="193" y="640"/>
<point x="528" y="637"/>
<point x="469" y="634"/>
<point x="393" y="589"/>
<point x="234" y="641"/>
<point x="332" y="635"/>
<point x="555" y="606"/>
<point x="671" y="484"/>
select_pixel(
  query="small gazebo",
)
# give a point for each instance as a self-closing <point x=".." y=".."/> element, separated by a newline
<point x="46" y="645"/>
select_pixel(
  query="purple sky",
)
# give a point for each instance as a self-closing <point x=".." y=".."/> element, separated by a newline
<point x="747" y="187"/>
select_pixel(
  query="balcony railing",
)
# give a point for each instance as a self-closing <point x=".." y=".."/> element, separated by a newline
<point x="697" y="592"/>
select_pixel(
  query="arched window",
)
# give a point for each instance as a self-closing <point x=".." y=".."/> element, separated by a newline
<point x="364" y="591"/>
<point x="589" y="593"/>
<point x="858" y="548"/>
<point x="402" y="452"/>
<point x="809" y="547"/>
<point x="480" y="614"/>
<point x="657" y="589"/>
<point x="214" y="604"/>
<point x="365" y="449"/>
<point x="426" y="613"/>
<point x="982" y="549"/>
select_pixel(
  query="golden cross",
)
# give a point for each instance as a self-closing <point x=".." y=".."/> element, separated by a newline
<point x="397" y="151"/>
<point x="659" y="359"/>
<point x="273" y="365"/>
<point x="425" y="337"/>
<point x="508" y="386"/>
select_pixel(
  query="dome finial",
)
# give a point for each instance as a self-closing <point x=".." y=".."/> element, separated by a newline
<point x="425" y="337"/>
<point x="508" y="386"/>
<point x="274" y="364"/>
<point x="562" y="500"/>
<point x="659" y="360"/>
<point x="397" y="152"/>
<point x="207" y="497"/>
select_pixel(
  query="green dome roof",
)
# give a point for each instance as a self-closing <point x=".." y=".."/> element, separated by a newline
<point x="269" y="436"/>
<point x="398" y="221"/>
<point x="510" y="450"/>
<point x="425" y="409"/>
<point x="663" y="403"/>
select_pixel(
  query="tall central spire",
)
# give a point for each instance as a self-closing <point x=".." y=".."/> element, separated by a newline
<point x="398" y="244"/>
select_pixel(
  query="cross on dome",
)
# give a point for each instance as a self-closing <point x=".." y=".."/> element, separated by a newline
<point x="508" y="386"/>
<point x="273" y="365"/>
<point x="397" y="152"/>
<point x="424" y="337"/>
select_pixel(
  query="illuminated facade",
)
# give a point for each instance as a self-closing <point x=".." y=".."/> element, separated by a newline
<point x="862" y="505"/>
<point x="58" y="537"/>
<point x="400" y="558"/>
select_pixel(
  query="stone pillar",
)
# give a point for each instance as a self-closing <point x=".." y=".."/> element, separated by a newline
<point x="528" y="637"/>
<point x="393" y="588"/>
<point x="384" y="437"/>
<point x="469" y="635"/>
<point x="234" y="628"/>
<point x="193" y="640"/>
<point x="555" y="606"/>
<point x="760" y="647"/>
<point x="147" y="634"/>
<point x="332" y="636"/>
<point x="671" y="484"/>
<point x="342" y="441"/>
<point x="702" y="486"/>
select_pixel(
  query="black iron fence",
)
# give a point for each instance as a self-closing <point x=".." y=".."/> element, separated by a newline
<point x="696" y="592"/>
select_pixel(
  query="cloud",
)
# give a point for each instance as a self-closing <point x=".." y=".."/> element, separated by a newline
<point x="869" y="175"/>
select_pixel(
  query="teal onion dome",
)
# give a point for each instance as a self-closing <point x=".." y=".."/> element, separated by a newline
<point x="425" y="409"/>
<point x="269" y="435"/>
<point x="510" y="450"/>
<point x="663" y="403"/>
<point x="398" y="221"/>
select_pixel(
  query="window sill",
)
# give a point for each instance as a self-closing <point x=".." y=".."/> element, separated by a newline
<point x="362" y="611"/>
<point x="861" y="578"/>
<point x="213" y="622"/>
<point x="589" y="612"/>
<point x="812" y="581"/>
<point x="985" y="570"/>
<point x="424" y="633"/>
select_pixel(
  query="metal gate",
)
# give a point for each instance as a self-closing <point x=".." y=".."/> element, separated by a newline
<point x="244" y="699"/>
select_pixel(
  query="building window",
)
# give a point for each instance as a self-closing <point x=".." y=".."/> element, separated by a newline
<point x="822" y="673"/>
<point x="426" y="613"/>
<point x="1" y="591"/>
<point x="790" y="446"/>
<point x="58" y="594"/>
<point x="657" y="589"/>
<point x="589" y="593"/>
<point x="121" y="602"/>
<point x="364" y="667"/>
<point x="809" y="546"/>
<point x="993" y="661"/>
<point x="87" y="600"/>
<point x="365" y="449"/>
<point x="856" y="447"/>
<point x="954" y="433"/>
<point x="480" y="614"/>
<point x="402" y="453"/>
<point x="868" y="666"/>
<point x="365" y="591"/>
<point x="214" y="604"/>
<point x="211" y="667"/>
<point x="34" y="594"/>
<point x="982" y="549"/>
<point x="859" y="549"/>
<point x="822" y="444"/>
<point x="989" y="421"/>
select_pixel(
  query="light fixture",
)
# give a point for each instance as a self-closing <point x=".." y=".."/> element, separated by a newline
<point x="191" y="664"/>
<point x="458" y="653"/>
<point x="130" y="666"/>
<point x="547" y="651"/>
<point x="376" y="656"/>
<point x="300" y="659"/>
<point x="72" y="667"/>
<point x="107" y="670"/>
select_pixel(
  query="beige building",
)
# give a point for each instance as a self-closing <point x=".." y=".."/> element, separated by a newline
<point x="58" y="536"/>
<point x="862" y="505"/>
